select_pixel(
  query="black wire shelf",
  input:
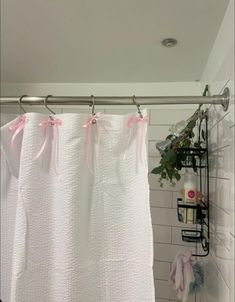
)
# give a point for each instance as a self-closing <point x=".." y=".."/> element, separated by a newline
<point x="192" y="151"/>
<point x="191" y="235"/>
<point x="190" y="213"/>
<point x="193" y="157"/>
<point x="196" y="214"/>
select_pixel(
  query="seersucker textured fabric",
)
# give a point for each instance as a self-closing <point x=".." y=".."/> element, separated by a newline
<point x="82" y="235"/>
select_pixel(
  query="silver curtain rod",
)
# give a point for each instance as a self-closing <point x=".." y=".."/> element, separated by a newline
<point x="220" y="99"/>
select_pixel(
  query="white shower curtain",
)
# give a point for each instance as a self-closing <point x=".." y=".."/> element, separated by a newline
<point x="82" y="227"/>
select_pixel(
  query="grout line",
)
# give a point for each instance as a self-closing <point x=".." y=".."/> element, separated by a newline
<point x="216" y="177"/>
<point x="178" y="227"/>
<point x="154" y="140"/>
<point x="161" y="125"/>
<point x="175" y="244"/>
<point x="158" y="207"/>
<point x="218" y="207"/>
<point x="156" y="242"/>
<point x="169" y="262"/>
<point x="217" y="122"/>
<point x="232" y="126"/>
<point x="219" y="271"/>
<point x="184" y="225"/>
<point x="171" y="191"/>
<point x="156" y="279"/>
<point x="163" y="190"/>
<point x="171" y="235"/>
<point x="233" y="235"/>
<point x="163" y="225"/>
<point x="218" y="149"/>
<point x="165" y="261"/>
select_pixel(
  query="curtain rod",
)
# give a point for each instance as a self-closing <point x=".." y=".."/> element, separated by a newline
<point x="220" y="99"/>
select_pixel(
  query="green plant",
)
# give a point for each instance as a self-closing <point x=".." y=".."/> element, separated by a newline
<point x="172" y="159"/>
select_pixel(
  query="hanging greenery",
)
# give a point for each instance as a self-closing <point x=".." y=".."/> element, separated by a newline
<point x="172" y="160"/>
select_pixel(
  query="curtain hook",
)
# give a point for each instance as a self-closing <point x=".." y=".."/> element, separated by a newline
<point x="93" y="109"/>
<point x="93" y="105"/>
<point x="20" y="102"/>
<point x="45" y="104"/>
<point x="138" y="107"/>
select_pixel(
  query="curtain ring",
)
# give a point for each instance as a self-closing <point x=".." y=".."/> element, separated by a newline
<point x="20" y="102"/>
<point x="45" y="104"/>
<point x="138" y="107"/>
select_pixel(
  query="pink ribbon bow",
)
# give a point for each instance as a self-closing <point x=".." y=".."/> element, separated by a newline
<point x="141" y="121"/>
<point x="17" y="127"/>
<point x="92" y="120"/>
<point x="45" y="125"/>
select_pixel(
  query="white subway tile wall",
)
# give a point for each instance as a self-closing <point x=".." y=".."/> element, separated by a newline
<point x="219" y="265"/>
<point x="219" y="73"/>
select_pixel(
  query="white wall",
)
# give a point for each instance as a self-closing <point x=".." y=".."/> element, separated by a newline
<point x="219" y="73"/>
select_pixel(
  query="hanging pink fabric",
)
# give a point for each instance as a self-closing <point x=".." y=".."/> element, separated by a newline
<point x="141" y="122"/>
<point x="17" y="127"/>
<point x="92" y="120"/>
<point x="46" y="124"/>
<point x="181" y="274"/>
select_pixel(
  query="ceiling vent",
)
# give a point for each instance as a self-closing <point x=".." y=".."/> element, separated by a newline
<point x="169" y="42"/>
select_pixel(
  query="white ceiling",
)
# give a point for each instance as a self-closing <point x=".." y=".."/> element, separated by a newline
<point x="107" y="40"/>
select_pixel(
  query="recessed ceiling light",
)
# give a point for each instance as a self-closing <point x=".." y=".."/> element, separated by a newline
<point x="169" y="42"/>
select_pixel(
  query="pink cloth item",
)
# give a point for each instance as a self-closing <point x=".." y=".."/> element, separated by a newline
<point x="141" y="122"/>
<point x="17" y="127"/>
<point x="181" y="274"/>
<point x="91" y="121"/>
<point x="45" y="124"/>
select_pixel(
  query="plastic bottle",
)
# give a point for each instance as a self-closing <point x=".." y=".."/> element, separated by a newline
<point x="190" y="189"/>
